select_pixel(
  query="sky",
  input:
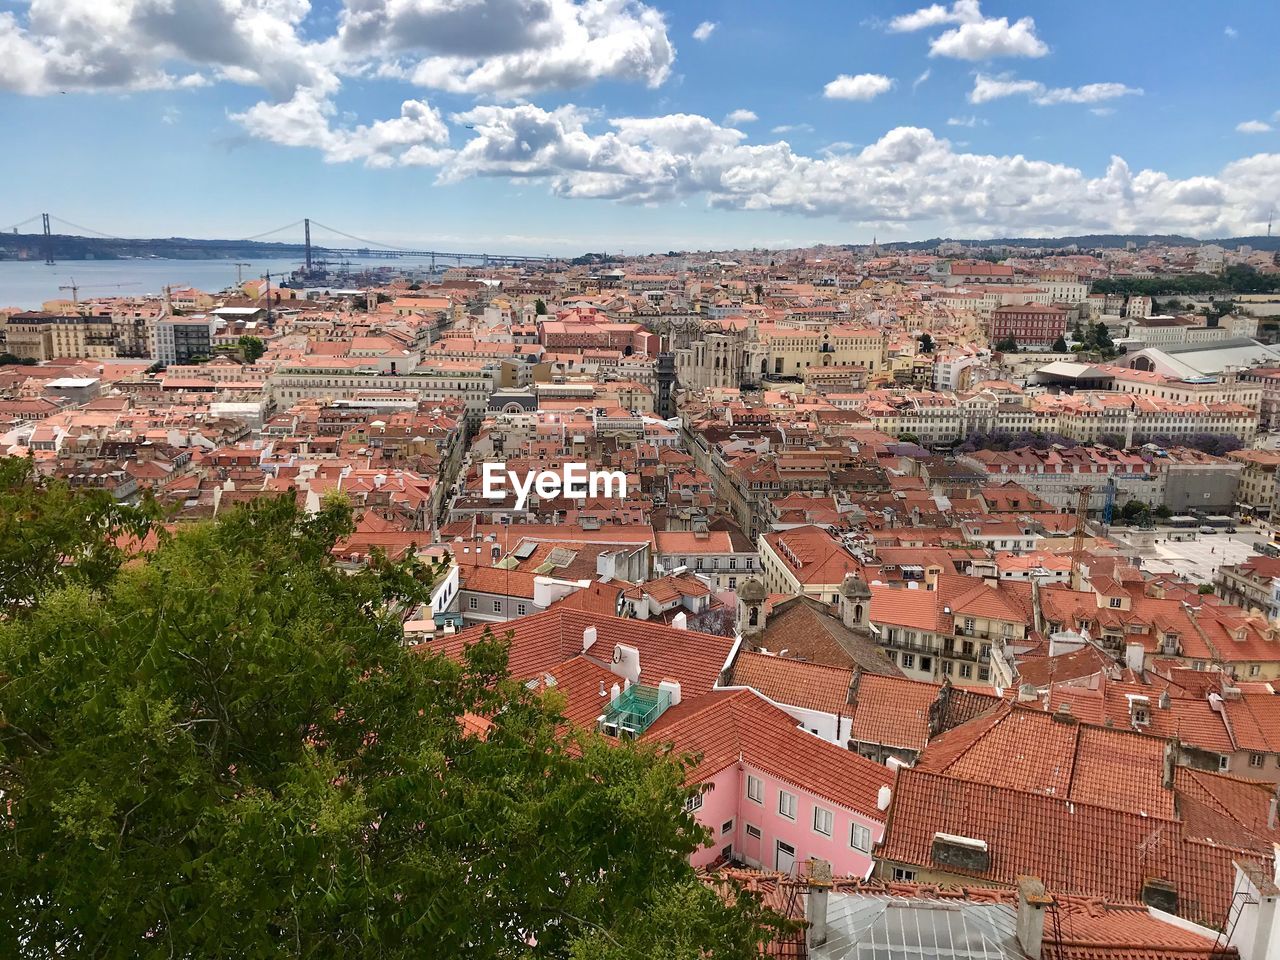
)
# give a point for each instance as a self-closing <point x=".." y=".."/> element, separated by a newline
<point x="559" y="126"/>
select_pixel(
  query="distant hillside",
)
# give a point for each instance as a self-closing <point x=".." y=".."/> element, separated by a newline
<point x="1094" y="241"/>
<point x="29" y="246"/>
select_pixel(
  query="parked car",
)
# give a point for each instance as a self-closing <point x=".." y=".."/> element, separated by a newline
<point x="1208" y="529"/>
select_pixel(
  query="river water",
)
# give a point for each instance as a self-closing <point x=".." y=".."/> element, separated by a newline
<point x="27" y="284"/>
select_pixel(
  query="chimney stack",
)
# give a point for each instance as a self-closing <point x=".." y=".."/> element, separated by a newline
<point x="815" y="904"/>
<point x="1030" y="924"/>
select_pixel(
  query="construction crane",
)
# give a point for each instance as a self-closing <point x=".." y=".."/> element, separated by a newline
<point x="1077" y="548"/>
<point x="240" y="265"/>
<point x="75" y="290"/>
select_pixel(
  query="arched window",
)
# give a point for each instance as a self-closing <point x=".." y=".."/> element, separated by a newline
<point x="753" y="617"/>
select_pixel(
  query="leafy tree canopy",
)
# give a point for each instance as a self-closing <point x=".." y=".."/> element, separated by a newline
<point x="251" y="348"/>
<point x="223" y="748"/>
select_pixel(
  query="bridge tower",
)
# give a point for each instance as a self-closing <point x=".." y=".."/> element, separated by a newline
<point x="306" y="232"/>
<point x="48" y="240"/>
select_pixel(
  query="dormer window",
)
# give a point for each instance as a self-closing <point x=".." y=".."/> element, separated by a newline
<point x="1115" y="603"/>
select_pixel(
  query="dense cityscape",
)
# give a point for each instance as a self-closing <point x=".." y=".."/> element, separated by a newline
<point x="717" y="516"/>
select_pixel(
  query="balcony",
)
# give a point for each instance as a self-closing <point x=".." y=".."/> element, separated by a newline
<point x="911" y="646"/>
<point x="634" y="711"/>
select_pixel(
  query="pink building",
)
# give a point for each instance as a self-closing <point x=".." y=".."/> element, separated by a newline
<point x="775" y="794"/>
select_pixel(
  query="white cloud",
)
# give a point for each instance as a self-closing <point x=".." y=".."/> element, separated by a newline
<point x="987" y="88"/>
<point x="909" y="175"/>
<point x="965" y="122"/>
<point x="90" y="45"/>
<point x="1102" y="111"/>
<point x="418" y="137"/>
<point x="502" y="48"/>
<point x="1230" y="32"/>
<point x="573" y="43"/>
<point x="989" y="39"/>
<point x="1253" y="126"/>
<point x="864" y="86"/>
<point x="704" y="30"/>
<point x="736" y="117"/>
<point x="962" y="11"/>
<point x="793" y="128"/>
<point x="915" y="84"/>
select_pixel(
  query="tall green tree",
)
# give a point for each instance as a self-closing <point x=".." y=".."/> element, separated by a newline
<point x="251" y="348"/>
<point x="224" y="749"/>
<point x="540" y="307"/>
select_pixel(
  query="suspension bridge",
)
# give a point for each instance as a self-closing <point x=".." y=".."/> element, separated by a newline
<point x="47" y="240"/>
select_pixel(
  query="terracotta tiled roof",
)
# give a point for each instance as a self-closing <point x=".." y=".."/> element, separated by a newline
<point x="726" y="726"/>
<point x="797" y="683"/>
<point x="893" y="711"/>
<point x="1077" y="928"/>
<point x="541" y="641"/>
<point x="1028" y="749"/>
<point x="1073" y="847"/>
<point x="805" y="630"/>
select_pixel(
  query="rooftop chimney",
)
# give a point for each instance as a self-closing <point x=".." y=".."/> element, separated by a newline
<point x="588" y="638"/>
<point x="1030" y="925"/>
<point x="815" y="904"/>
<point x="680" y="621"/>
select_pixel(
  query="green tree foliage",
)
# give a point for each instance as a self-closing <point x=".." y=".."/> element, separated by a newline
<point x="1060" y="345"/>
<point x="7" y="359"/>
<point x="540" y="307"/>
<point x="251" y="348"/>
<point x="1135" y="512"/>
<point x="224" y="749"/>
<point x="926" y="343"/>
<point x="1235" y="279"/>
<point x="1007" y="345"/>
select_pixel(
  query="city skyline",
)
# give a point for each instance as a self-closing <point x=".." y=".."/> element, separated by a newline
<point x="554" y="126"/>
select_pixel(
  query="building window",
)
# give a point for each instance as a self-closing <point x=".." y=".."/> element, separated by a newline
<point x="1254" y="670"/>
<point x="787" y="804"/>
<point x="755" y="789"/>
<point x="984" y="673"/>
<point x="1255" y="760"/>
<point x="753" y="832"/>
<point x="902" y="875"/>
<point x="823" y="821"/>
<point x="968" y="624"/>
<point x="521" y="609"/>
<point x="908" y="659"/>
<point x="947" y="667"/>
<point x="693" y="803"/>
<point x="726" y="827"/>
<point x="966" y="671"/>
<point x="926" y="663"/>
<point x="497" y="606"/>
<point x="860" y="837"/>
<point x="473" y="603"/>
<point x="1115" y="603"/>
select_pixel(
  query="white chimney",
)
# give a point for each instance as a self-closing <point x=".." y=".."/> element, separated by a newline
<point x="815" y="901"/>
<point x="884" y="797"/>
<point x="672" y="687"/>
<point x="626" y="662"/>
<point x="680" y="621"/>
<point x="1134" y="653"/>
<point x="1030" y="923"/>
<point x="614" y="693"/>
<point x="588" y="638"/>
